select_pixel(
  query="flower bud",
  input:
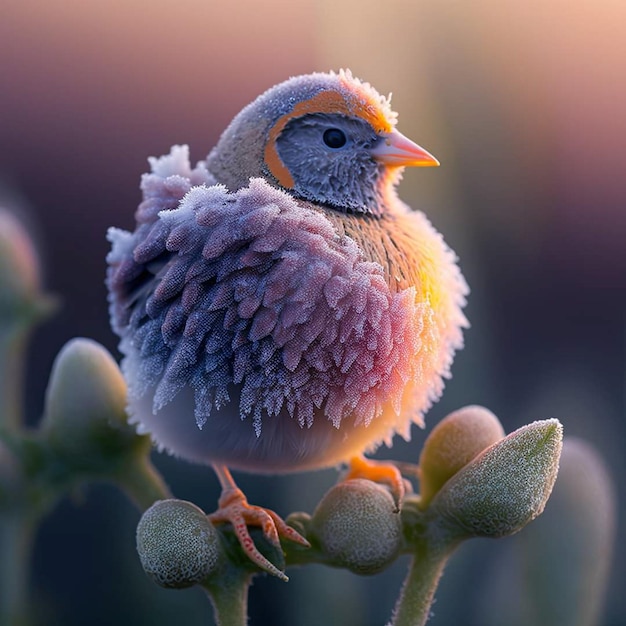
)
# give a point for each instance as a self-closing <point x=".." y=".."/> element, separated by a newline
<point x="85" y="417"/>
<point x="568" y="552"/>
<point x="177" y="545"/>
<point x="21" y="301"/>
<point x="358" y="526"/>
<point x="19" y="267"/>
<point x="452" y="444"/>
<point x="505" y="486"/>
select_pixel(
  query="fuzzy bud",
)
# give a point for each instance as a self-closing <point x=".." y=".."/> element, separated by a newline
<point x="506" y="486"/>
<point x="358" y="526"/>
<point x="19" y="267"/>
<point x="85" y="417"/>
<point x="177" y="545"/>
<point x="22" y="302"/>
<point x="573" y="543"/>
<point x="452" y="444"/>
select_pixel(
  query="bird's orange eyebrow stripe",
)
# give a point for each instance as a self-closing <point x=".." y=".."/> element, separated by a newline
<point x="324" y="102"/>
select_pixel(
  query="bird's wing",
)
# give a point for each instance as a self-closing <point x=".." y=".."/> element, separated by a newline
<point x="250" y="289"/>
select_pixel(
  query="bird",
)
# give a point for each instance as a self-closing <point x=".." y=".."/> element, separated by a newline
<point x="279" y="308"/>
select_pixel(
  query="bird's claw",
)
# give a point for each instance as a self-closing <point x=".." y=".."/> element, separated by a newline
<point x="384" y="472"/>
<point x="233" y="507"/>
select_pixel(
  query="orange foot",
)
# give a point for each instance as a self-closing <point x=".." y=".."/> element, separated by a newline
<point x="379" y="472"/>
<point x="233" y="507"/>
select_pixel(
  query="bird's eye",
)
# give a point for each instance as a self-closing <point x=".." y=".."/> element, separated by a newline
<point x="334" y="138"/>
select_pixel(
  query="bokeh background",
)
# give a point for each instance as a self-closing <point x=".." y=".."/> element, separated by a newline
<point x="523" y="103"/>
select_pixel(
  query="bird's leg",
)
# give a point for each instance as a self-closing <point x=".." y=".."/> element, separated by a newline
<point x="379" y="472"/>
<point x="233" y="507"/>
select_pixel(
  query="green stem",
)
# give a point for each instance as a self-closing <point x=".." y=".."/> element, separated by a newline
<point x="142" y="483"/>
<point x="16" y="541"/>
<point x="418" y="591"/>
<point x="12" y="351"/>
<point x="229" y="597"/>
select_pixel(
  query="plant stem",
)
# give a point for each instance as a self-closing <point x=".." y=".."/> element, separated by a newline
<point x="16" y="528"/>
<point x="16" y="540"/>
<point x="143" y="484"/>
<point x="416" y="597"/>
<point x="12" y="350"/>
<point x="229" y="597"/>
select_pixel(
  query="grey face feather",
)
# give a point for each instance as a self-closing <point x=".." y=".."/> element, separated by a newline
<point x="344" y="177"/>
<point x="347" y="180"/>
<point x="238" y="155"/>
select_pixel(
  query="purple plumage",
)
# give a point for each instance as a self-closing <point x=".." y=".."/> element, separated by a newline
<point x="248" y="289"/>
<point x="279" y="308"/>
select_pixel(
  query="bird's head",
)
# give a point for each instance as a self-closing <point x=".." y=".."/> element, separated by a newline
<point x="326" y="138"/>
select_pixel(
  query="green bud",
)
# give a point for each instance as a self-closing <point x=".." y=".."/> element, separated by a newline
<point x="85" y="416"/>
<point x="177" y="545"/>
<point x="505" y="486"/>
<point x="358" y="526"/>
<point x="19" y="267"/>
<point x="452" y="444"/>
<point x="20" y="285"/>
<point x="568" y="552"/>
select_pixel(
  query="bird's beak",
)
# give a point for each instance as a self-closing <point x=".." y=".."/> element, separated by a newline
<point x="396" y="149"/>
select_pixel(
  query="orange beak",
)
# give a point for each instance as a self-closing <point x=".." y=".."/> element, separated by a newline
<point x="396" y="149"/>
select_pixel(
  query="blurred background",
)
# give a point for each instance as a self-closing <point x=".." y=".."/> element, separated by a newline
<point x="522" y="102"/>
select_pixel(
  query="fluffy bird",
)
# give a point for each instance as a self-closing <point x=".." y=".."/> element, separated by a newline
<point x="279" y="307"/>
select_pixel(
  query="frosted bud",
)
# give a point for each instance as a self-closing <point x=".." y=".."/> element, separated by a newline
<point x="177" y="545"/>
<point x="505" y="486"/>
<point x="19" y="267"/>
<point x="452" y="444"/>
<point x="568" y="552"/>
<point x="85" y="416"/>
<point x="358" y="526"/>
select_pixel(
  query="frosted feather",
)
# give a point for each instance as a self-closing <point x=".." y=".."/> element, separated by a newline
<point x="295" y="328"/>
<point x="249" y="288"/>
<point x="368" y="94"/>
